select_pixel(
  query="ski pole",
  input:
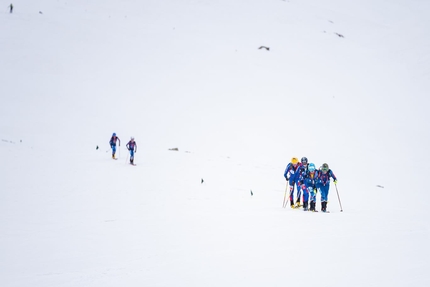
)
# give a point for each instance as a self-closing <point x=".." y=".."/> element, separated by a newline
<point x="299" y="194"/>
<point x="291" y="197"/>
<point x="341" y="209"/>
<point x="284" y="204"/>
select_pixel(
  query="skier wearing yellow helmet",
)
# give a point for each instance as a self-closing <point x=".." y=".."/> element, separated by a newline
<point x="290" y="174"/>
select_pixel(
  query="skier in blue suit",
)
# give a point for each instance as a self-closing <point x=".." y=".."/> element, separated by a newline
<point x="112" y="143"/>
<point x="323" y="184"/>
<point x="132" y="147"/>
<point x="291" y="174"/>
<point x="309" y="187"/>
<point x="300" y="178"/>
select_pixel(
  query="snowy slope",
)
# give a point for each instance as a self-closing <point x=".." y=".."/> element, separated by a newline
<point x="189" y="74"/>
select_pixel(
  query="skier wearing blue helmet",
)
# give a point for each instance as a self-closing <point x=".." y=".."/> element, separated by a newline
<point x="112" y="144"/>
<point x="309" y="187"/>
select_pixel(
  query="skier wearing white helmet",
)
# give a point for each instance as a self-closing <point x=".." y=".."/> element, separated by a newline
<point x="132" y="147"/>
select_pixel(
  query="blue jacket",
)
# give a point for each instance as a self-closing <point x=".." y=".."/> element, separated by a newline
<point x="310" y="179"/>
<point x="301" y="174"/>
<point x="131" y="145"/>
<point x="291" y="172"/>
<point x="324" y="178"/>
<point x="113" y="140"/>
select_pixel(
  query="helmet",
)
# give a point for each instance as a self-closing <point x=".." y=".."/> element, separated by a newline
<point x="311" y="167"/>
<point x="304" y="160"/>
<point x="132" y="138"/>
<point x="324" y="167"/>
<point x="294" y="160"/>
<point x="114" y="134"/>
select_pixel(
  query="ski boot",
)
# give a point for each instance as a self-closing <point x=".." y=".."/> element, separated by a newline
<point x="291" y="202"/>
<point x="312" y="208"/>
<point x="324" y="206"/>
<point x="305" y="206"/>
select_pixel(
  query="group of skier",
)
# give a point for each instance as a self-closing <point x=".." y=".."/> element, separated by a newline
<point x="131" y="146"/>
<point x="303" y="175"/>
<point x="309" y="180"/>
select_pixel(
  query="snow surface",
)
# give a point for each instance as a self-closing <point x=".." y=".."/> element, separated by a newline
<point x="189" y="74"/>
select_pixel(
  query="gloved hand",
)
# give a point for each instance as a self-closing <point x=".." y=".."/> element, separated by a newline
<point x="335" y="181"/>
<point x="315" y="190"/>
<point x="287" y="178"/>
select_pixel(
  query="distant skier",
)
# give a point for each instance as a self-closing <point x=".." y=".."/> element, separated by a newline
<point x="112" y="143"/>
<point x="290" y="174"/>
<point x="11" y="8"/>
<point x="132" y="147"/>
<point x="323" y="184"/>
<point x="309" y="187"/>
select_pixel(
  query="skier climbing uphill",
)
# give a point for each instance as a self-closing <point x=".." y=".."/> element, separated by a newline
<point x="112" y="143"/>
<point x="132" y="147"/>
<point x="323" y="184"/>
<point x="300" y="174"/>
<point x="290" y="174"/>
<point x="309" y="187"/>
